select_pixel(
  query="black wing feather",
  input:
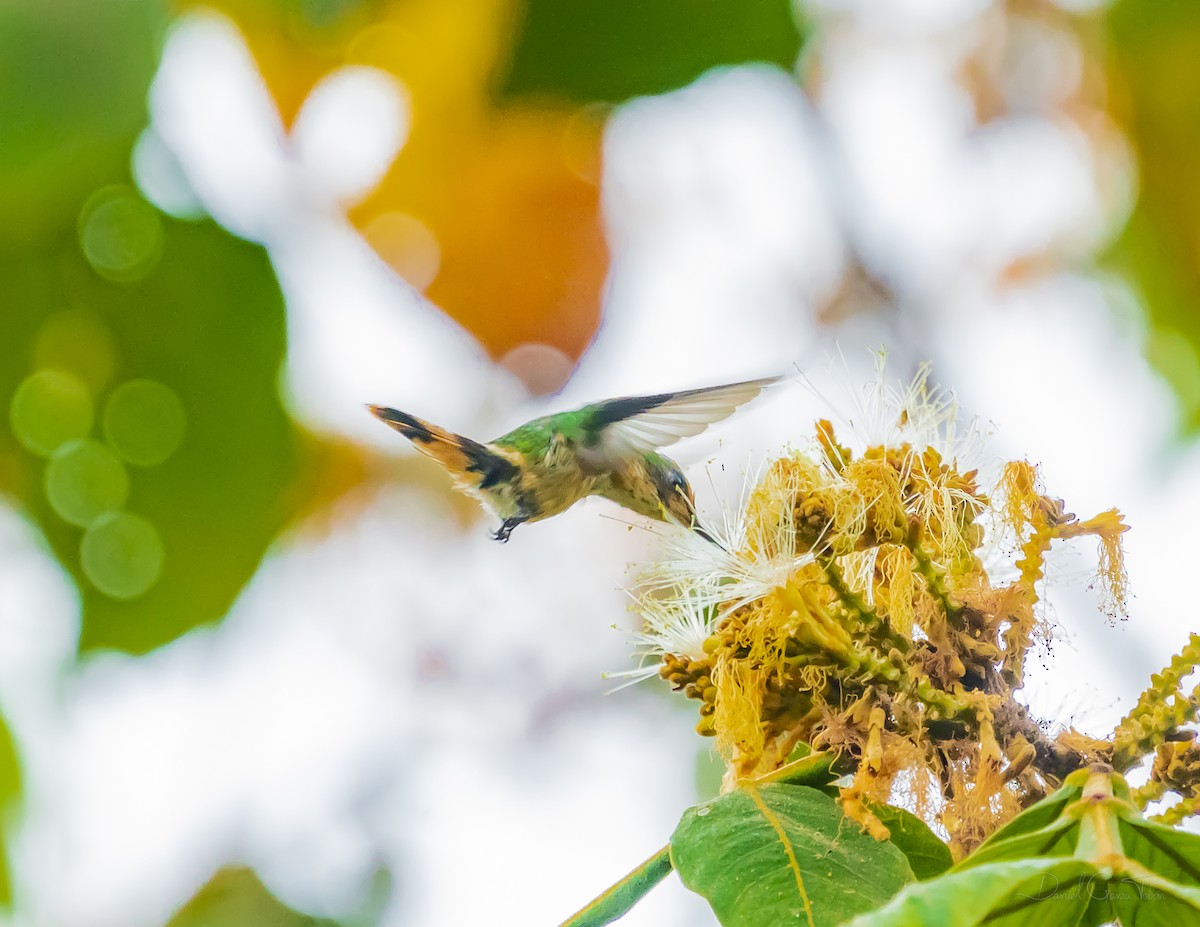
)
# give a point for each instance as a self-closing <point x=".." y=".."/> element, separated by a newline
<point x="612" y="411"/>
<point x="639" y="424"/>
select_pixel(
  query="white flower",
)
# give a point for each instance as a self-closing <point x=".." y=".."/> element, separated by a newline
<point x="894" y="414"/>
<point x="675" y="625"/>
<point x="732" y="571"/>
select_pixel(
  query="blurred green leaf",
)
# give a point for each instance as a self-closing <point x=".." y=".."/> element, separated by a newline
<point x="157" y="341"/>
<point x="322" y="14"/>
<point x="10" y="792"/>
<point x="73" y="81"/>
<point x="611" y="51"/>
<point x="207" y="325"/>
<point x="1154" y="48"/>
<point x="235" y="897"/>
<point x="710" y="771"/>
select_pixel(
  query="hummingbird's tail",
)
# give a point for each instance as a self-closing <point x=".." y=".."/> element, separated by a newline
<point x="473" y="465"/>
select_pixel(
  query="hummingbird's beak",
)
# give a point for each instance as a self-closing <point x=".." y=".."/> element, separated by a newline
<point x="704" y="534"/>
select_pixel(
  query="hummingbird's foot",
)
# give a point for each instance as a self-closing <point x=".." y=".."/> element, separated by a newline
<point x="505" y="530"/>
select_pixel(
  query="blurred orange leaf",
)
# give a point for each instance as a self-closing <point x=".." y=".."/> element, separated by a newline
<point x="493" y="211"/>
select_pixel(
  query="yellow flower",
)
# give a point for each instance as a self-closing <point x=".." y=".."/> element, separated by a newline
<point x="858" y="602"/>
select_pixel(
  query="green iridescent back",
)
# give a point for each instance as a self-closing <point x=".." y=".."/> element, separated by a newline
<point x="534" y="437"/>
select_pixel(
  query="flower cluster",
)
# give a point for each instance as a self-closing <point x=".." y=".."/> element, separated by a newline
<point x="1157" y="725"/>
<point x="861" y="603"/>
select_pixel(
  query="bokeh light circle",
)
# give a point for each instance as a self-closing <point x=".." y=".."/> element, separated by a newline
<point x="121" y="234"/>
<point x="543" y="368"/>
<point x="145" y="422"/>
<point x="122" y="555"/>
<point x="49" y="409"/>
<point x="76" y="341"/>
<point x="407" y="245"/>
<point x="85" y="480"/>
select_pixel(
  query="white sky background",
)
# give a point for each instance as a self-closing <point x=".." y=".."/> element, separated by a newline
<point x="402" y="694"/>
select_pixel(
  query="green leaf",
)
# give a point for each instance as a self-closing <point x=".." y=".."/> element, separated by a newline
<point x="617" y="900"/>
<point x="927" y="854"/>
<point x="1170" y="853"/>
<point x="1041" y="814"/>
<point x="812" y="769"/>
<point x="1022" y="893"/>
<point x="10" y="793"/>
<point x="1099" y="911"/>
<point x="617" y="49"/>
<point x="783" y="854"/>
<point x="1059" y="838"/>
<point x="1151" y="901"/>
<point x="1041" y="830"/>
<point x="1123" y="867"/>
<point x="235" y="897"/>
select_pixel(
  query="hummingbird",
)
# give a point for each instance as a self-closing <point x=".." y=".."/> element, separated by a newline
<point x="609" y="449"/>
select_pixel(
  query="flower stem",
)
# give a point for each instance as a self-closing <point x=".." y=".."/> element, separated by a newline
<point x="624" y="894"/>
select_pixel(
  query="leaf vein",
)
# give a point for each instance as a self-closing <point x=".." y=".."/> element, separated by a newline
<point x="787" y="848"/>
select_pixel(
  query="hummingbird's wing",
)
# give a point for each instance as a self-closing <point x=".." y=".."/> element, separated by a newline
<point x="641" y="424"/>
